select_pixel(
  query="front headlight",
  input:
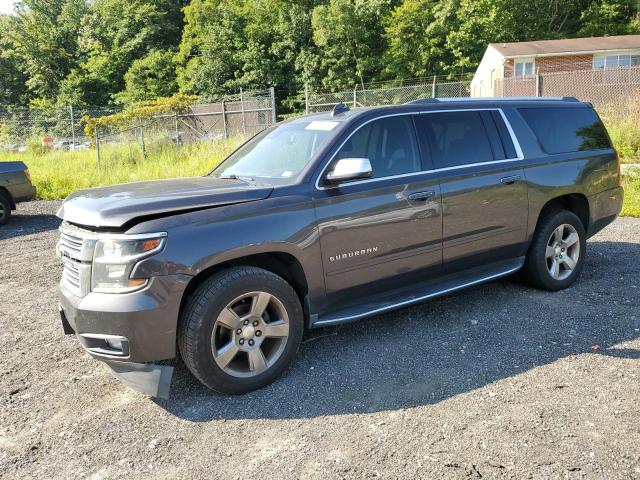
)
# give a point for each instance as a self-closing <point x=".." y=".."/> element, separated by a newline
<point x="114" y="259"/>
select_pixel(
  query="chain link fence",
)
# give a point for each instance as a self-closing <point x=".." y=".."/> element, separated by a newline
<point x="605" y="89"/>
<point x="242" y="114"/>
<point x="60" y="129"/>
<point x="388" y="93"/>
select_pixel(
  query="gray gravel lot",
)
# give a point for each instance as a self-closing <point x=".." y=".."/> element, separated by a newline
<point x="497" y="381"/>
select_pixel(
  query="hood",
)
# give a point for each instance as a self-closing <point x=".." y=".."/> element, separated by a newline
<point x="114" y="206"/>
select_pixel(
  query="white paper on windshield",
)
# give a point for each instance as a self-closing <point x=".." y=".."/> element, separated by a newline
<point x="323" y="125"/>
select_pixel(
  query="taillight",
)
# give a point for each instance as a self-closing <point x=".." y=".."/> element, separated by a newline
<point x="619" y="167"/>
<point x="27" y="174"/>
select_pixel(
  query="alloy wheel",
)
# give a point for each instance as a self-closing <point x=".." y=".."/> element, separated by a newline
<point x="250" y="334"/>
<point x="563" y="251"/>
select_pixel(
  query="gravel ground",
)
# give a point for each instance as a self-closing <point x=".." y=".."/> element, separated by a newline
<point x="497" y="381"/>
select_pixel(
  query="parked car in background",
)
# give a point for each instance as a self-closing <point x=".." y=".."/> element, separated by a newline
<point x="326" y="219"/>
<point x="15" y="187"/>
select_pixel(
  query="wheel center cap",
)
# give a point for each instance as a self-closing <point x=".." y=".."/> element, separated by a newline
<point x="558" y="250"/>
<point x="248" y="332"/>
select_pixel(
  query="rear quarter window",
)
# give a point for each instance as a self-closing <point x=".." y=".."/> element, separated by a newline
<point x="564" y="130"/>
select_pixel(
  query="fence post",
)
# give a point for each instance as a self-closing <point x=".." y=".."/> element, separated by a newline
<point x="244" y="120"/>
<point x="224" y="120"/>
<point x="355" y="97"/>
<point x="144" y="152"/>
<point x="97" y="147"/>
<point x="538" y="82"/>
<point x="306" y="98"/>
<point x="178" y="142"/>
<point x="433" y="88"/>
<point x="272" y="91"/>
<point x="73" y="128"/>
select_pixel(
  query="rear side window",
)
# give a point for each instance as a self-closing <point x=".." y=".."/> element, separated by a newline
<point x="564" y="130"/>
<point x="456" y="138"/>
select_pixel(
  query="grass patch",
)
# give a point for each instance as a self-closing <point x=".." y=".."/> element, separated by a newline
<point x="631" y="206"/>
<point x="58" y="173"/>
<point x="624" y="130"/>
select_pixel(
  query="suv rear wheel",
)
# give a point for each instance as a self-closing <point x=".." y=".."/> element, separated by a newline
<point x="557" y="252"/>
<point x="5" y="209"/>
<point x="240" y="329"/>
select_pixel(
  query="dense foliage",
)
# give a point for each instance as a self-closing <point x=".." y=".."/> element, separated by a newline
<point x="104" y="52"/>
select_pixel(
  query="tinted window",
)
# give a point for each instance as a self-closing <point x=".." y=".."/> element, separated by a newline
<point x="494" y="137"/>
<point x="562" y="130"/>
<point x="507" y="142"/>
<point x="388" y="143"/>
<point x="456" y="138"/>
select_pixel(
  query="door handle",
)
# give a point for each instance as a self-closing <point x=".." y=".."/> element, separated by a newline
<point x="510" y="180"/>
<point x="422" y="195"/>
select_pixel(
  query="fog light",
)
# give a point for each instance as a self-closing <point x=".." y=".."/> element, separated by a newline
<point x="115" y="344"/>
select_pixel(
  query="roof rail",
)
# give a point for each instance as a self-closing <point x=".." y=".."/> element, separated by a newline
<point x="339" y="108"/>
<point x="423" y="101"/>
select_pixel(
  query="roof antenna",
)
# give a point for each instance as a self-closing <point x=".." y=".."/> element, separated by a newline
<point x="339" y="108"/>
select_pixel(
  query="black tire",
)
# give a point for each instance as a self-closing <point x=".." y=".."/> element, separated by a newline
<point x="207" y="302"/>
<point x="5" y="209"/>
<point x="537" y="267"/>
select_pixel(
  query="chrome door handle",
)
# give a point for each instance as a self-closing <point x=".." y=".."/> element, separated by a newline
<point x="510" y="180"/>
<point x="422" y="195"/>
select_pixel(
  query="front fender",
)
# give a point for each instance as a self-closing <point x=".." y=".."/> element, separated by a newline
<point x="200" y="240"/>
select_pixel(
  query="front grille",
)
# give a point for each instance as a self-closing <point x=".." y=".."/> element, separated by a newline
<point x="76" y="252"/>
<point x="71" y="242"/>
<point x="71" y="273"/>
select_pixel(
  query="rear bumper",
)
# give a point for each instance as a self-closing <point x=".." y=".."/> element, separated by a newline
<point x="144" y="322"/>
<point x="604" y="208"/>
<point x="23" y="192"/>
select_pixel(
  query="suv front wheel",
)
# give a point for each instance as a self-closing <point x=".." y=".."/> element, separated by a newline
<point x="240" y="329"/>
<point x="557" y="252"/>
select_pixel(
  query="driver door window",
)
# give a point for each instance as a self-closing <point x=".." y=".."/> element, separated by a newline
<point x="389" y="144"/>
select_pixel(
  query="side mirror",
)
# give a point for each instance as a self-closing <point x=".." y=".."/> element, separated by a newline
<point x="347" y="169"/>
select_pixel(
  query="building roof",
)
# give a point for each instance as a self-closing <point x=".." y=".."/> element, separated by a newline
<point x="567" y="46"/>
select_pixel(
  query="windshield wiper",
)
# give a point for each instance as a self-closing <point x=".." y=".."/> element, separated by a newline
<point x="233" y="176"/>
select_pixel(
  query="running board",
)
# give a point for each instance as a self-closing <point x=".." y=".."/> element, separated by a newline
<point x="422" y="292"/>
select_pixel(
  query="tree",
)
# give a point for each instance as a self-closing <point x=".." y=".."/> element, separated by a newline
<point x="114" y="34"/>
<point x="44" y="38"/>
<point x="149" y="77"/>
<point x="207" y="56"/>
<point x="13" y="90"/>
<point x="411" y="50"/>
<point x="610" y="17"/>
<point x="351" y="37"/>
<point x="489" y="21"/>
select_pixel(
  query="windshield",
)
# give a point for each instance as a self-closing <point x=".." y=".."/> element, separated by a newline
<point x="278" y="153"/>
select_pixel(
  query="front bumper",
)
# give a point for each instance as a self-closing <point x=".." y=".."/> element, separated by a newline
<point x="144" y="324"/>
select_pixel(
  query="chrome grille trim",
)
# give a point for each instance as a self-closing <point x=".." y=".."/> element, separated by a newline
<point x="75" y="249"/>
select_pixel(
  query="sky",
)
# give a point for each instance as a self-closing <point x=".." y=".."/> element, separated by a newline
<point x="6" y="6"/>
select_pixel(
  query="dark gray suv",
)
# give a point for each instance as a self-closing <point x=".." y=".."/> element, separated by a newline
<point x="327" y="219"/>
